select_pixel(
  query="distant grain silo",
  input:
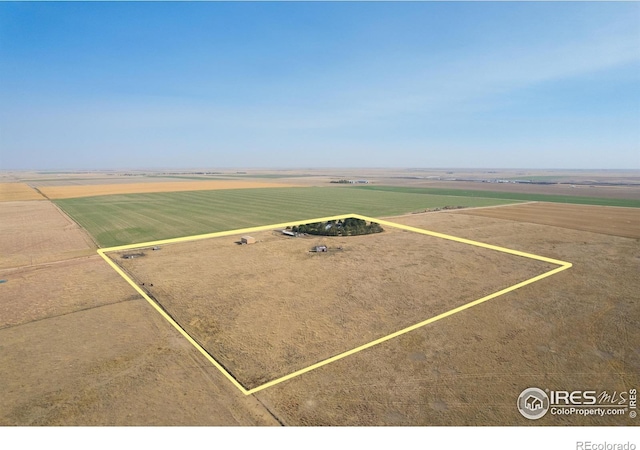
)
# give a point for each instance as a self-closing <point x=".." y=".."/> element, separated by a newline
<point x="248" y="240"/>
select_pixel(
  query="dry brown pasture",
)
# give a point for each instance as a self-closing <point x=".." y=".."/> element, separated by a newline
<point x="268" y="309"/>
<point x="57" y="288"/>
<point x="611" y="220"/>
<point x="115" y="363"/>
<point x="38" y="232"/>
<point x="579" y="329"/>
<point x="59" y="192"/>
<point x="10" y="192"/>
<point x="79" y="347"/>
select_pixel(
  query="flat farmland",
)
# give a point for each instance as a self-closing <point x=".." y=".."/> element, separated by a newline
<point x="78" y="345"/>
<point x="91" y="190"/>
<point x="623" y="222"/>
<point x="126" y="219"/>
<point x="579" y="329"/>
<point x="11" y="192"/>
<point x="35" y="293"/>
<point x="98" y="355"/>
<point x="630" y="191"/>
<point x="267" y="310"/>
<point x="37" y="232"/>
<point x="517" y="193"/>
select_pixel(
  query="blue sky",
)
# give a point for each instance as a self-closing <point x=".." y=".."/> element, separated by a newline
<point x="296" y="84"/>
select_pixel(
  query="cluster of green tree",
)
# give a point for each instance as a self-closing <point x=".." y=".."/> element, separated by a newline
<point x="346" y="227"/>
<point x="341" y="181"/>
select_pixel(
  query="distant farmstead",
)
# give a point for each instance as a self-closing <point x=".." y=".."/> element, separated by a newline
<point x="350" y="181"/>
<point x="248" y="240"/>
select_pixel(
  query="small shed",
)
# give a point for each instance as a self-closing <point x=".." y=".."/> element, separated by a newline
<point x="319" y="248"/>
<point x="248" y="240"/>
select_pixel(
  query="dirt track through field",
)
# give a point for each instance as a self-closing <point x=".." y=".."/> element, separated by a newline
<point x="60" y="192"/>
<point x="11" y="192"/>
<point x="624" y="222"/>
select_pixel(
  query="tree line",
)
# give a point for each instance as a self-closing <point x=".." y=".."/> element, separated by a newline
<point x="346" y="227"/>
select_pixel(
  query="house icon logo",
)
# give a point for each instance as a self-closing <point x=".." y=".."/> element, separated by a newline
<point x="533" y="403"/>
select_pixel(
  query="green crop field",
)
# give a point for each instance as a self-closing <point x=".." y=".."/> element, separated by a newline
<point x="134" y="218"/>
<point x="517" y="196"/>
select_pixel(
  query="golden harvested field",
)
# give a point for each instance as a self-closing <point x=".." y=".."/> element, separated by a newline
<point x="10" y="192"/>
<point x="59" y="192"/>
<point x="611" y="220"/>
<point x="37" y="232"/>
<point x="272" y="308"/>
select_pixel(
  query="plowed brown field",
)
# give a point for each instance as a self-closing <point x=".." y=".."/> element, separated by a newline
<point x="611" y="220"/>
<point x="11" y="192"/>
<point x="58" y="192"/>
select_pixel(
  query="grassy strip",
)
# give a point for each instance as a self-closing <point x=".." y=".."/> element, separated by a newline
<point x="520" y="196"/>
<point x="134" y="218"/>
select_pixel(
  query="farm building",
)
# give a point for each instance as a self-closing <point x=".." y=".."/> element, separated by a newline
<point x="248" y="240"/>
<point x="319" y="248"/>
<point x="132" y="255"/>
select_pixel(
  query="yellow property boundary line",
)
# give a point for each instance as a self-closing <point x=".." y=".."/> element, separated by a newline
<point x="563" y="265"/>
